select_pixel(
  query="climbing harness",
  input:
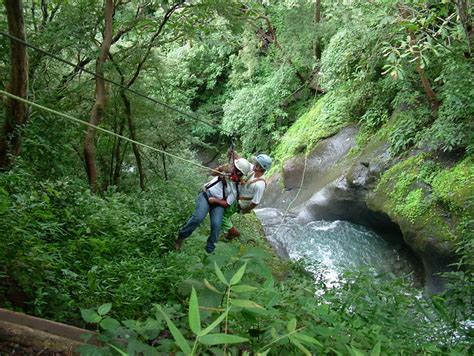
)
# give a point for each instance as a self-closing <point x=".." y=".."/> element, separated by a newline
<point x="260" y="179"/>
<point x="210" y="185"/>
<point x="234" y="177"/>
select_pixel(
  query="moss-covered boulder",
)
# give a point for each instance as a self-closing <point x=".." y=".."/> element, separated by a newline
<point x="431" y="204"/>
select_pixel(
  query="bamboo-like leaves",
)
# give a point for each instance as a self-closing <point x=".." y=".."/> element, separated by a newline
<point x="243" y="288"/>
<point x="299" y="345"/>
<point x="211" y="287"/>
<point x="121" y="352"/>
<point x="307" y="339"/>
<point x="217" y="339"/>
<point x="219" y="274"/>
<point x="238" y="275"/>
<point x="178" y="337"/>
<point x="213" y="324"/>
<point x="194" y="316"/>
<point x="242" y="303"/>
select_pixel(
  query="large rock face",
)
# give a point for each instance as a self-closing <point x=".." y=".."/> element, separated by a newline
<point x="338" y="186"/>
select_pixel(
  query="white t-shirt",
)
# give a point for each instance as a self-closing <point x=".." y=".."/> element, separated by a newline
<point x="251" y="192"/>
<point x="216" y="190"/>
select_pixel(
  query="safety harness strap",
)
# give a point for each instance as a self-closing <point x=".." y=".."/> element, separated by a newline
<point x="224" y="186"/>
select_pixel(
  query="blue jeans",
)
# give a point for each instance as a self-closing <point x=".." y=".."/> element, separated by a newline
<point x="203" y="207"/>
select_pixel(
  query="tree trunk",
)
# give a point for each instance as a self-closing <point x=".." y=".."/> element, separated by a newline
<point x="117" y="170"/>
<point x="98" y="109"/>
<point x="462" y="7"/>
<point x="133" y="136"/>
<point x="163" y="161"/>
<point x="16" y="113"/>
<point x="317" y="21"/>
<point x="425" y="83"/>
<point x="433" y="99"/>
<point x="271" y="37"/>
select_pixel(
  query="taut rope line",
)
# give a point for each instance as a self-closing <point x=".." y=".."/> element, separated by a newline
<point x="296" y="196"/>
<point x="104" y="130"/>
<point x="113" y="82"/>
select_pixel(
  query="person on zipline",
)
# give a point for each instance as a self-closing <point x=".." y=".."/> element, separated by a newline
<point x="250" y="194"/>
<point x="217" y="194"/>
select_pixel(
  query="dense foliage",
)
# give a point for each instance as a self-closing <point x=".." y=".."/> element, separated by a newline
<point x="278" y="78"/>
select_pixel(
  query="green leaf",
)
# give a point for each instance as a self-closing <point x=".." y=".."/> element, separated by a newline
<point x="256" y="252"/>
<point x="217" y="339"/>
<point x="178" y="337"/>
<point x="4" y="200"/>
<point x="274" y="334"/>
<point x="291" y="326"/>
<point x="242" y="303"/>
<point x="308" y="339"/>
<point x="440" y="308"/>
<point x="431" y="348"/>
<point x="295" y="342"/>
<point x="354" y="351"/>
<point x="90" y="316"/>
<point x="104" y="308"/>
<point x="219" y="274"/>
<point x="243" y="288"/>
<point x="264" y="353"/>
<point x="238" y="275"/>
<point x="376" y="349"/>
<point x="136" y="347"/>
<point x="214" y="324"/>
<point x="109" y="324"/>
<point x="123" y="353"/>
<point x="211" y="287"/>
<point x="194" y="317"/>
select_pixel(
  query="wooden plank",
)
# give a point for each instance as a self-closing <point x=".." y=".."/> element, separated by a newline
<point x="41" y="333"/>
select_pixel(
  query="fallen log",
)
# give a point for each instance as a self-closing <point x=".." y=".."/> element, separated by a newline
<point x="29" y="331"/>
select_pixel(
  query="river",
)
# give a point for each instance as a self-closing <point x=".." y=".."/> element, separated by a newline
<point x="330" y="248"/>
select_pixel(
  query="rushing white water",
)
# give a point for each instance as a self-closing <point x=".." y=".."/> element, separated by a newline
<point x="330" y="248"/>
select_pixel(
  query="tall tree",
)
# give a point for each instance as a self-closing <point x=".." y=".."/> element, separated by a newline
<point x="415" y="49"/>
<point x="16" y="113"/>
<point x="317" y="21"/>
<point x="463" y="7"/>
<point x="126" y="100"/>
<point x="98" y="110"/>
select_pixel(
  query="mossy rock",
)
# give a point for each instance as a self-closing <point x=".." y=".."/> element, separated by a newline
<point x="327" y="117"/>
<point x="431" y="204"/>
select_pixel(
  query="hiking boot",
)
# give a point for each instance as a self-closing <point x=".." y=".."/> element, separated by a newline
<point x="178" y="243"/>
<point x="232" y="233"/>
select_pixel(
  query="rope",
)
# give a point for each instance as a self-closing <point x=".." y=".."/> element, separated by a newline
<point x="104" y="130"/>
<point x="296" y="196"/>
<point x="114" y="82"/>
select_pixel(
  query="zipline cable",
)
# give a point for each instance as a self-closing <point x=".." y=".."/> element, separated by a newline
<point x="296" y="196"/>
<point x="172" y="108"/>
<point x="2" y="92"/>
